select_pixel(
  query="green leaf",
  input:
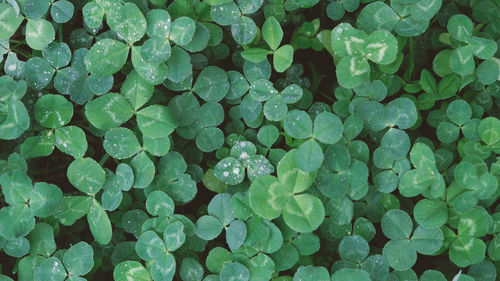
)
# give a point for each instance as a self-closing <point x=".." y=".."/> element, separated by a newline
<point x="353" y="248"/>
<point x="267" y="197"/>
<point x="427" y="241"/>
<point x="121" y="143"/>
<point x="348" y="274"/>
<point x="79" y="259"/>
<point x="108" y="111"/>
<point x="99" y="223"/>
<point x="144" y="170"/>
<point x="268" y="135"/>
<point x="16" y="122"/>
<point x="53" y="111"/>
<point x="62" y="11"/>
<point x="158" y="203"/>
<point x="353" y="71"/>
<point x="461" y="61"/>
<point x="283" y="58"/>
<point x="72" y="208"/>
<point x="262" y="90"/>
<point x="396" y="224"/>
<point x="153" y="73"/>
<point x="92" y="14"/>
<point x="136" y="90"/>
<point x="303" y="213"/>
<point x="431" y="213"/>
<point x="50" y="269"/>
<point x="475" y="223"/>
<point x="328" y="128"/>
<point x="244" y="30"/>
<point x="382" y="47"/>
<point x="191" y="270"/>
<point x="310" y="272"/>
<point x="255" y="54"/>
<point x="16" y="221"/>
<point x="234" y="271"/>
<point x="348" y="41"/>
<point x="162" y="268"/>
<point x="489" y="71"/>
<point x="39" y="33"/>
<point x="208" y="228"/>
<point x="272" y="32"/>
<point x="159" y="23"/>
<point x="465" y="250"/>
<point x="401" y="112"/>
<point x="210" y="139"/>
<point x="377" y="15"/>
<point x="156" y="50"/>
<point x="400" y="254"/>
<point x="150" y="246"/>
<point x="41" y="240"/>
<point x="298" y="124"/>
<point x="236" y="234"/>
<point x="130" y="270"/>
<point x="9" y="20"/>
<point x="38" y="72"/>
<point x="86" y="175"/>
<point x="427" y="82"/>
<point x="309" y="156"/>
<point x="127" y="21"/>
<point x="38" y="146"/>
<point x="44" y="199"/>
<point x="212" y="84"/>
<point x="71" y="140"/>
<point x="275" y="109"/>
<point x="489" y="130"/>
<point x="16" y="187"/>
<point x="182" y="31"/>
<point x="174" y="236"/>
<point x="291" y="176"/>
<point x="106" y="57"/>
<point x="460" y="27"/>
<point x="230" y="171"/>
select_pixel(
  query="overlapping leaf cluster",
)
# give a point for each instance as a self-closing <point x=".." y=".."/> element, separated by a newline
<point x="250" y="140"/>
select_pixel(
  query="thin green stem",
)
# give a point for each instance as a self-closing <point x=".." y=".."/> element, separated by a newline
<point x="103" y="159"/>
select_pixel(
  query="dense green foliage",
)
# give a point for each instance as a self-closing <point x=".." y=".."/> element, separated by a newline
<point x="217" y="140"/>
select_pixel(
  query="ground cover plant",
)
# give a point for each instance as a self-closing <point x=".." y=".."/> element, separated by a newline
<point x="249" y="140"/>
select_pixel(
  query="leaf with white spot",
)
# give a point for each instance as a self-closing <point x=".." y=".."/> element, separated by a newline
<point x="39" y="33"/>
<point x="106" y="57"/>
<point x="267" y="197"/>
<point x="9" y="21"/>
<point x="130" y="270"/>
<point x="127" y="21"/>
<point x="381" y="47"/>
<point x="460" y="27"/>
<point x="174" y="236"/>
<point x="303" y="213"/>
<point x="156" y="121"/>
<point x="348" y="41"/>
<point x="86" y="175"/>
<point x="71" y="140"/>
<point x="466" y="250"/>
<point x="353" y="71"/>
<point x="108" y="111"/>
<point x="149" y="246"/>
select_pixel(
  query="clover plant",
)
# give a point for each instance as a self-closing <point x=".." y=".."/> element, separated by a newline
<point x="250" y="140"/>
